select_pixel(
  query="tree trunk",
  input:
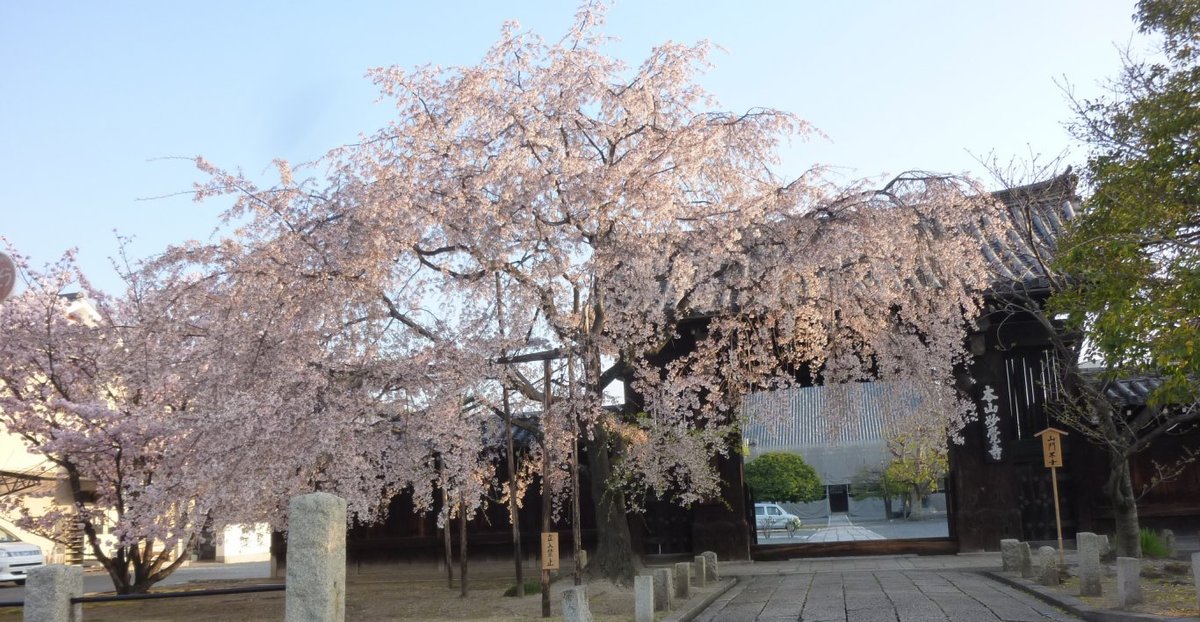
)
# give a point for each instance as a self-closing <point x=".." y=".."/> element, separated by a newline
<point x="887" y="507"/>
<point x="446" y="527"/>
<point x="614" y="547"/>
<point x="546" y="399"/>
<point x="914" y="501"/>
<point x="514" y="515"/>
<point x="462" y="545"/>
<point x="576" y="527"/>
<point x="1124" y="503"/>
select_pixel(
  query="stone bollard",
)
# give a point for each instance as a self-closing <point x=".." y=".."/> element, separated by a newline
<point x="1088" y="546"/>
<point x="1025" y="560"/>
<point x="1047" y="572"/>
<point x="1105" y="548"/>
<point x="1196" y="576"/>
<point x="1168" y="537"/>
<point x="1008" y="554"/>
<point x="710" y="566"/>
<point x="664" y="589"/>
<point x="700" y="571"/>
<point x="48" y="594"/>
<point x="575" y="605"/>
<point x="683" y="580"/>
<point x="643" y="598"/>
<point x="1129" y="581"/>
<point x="316" y="559"/>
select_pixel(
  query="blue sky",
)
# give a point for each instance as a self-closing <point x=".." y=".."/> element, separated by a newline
<point x="97" y="97"/>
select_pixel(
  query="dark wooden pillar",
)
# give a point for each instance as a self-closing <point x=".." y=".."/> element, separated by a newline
<point x="721" y="526"/>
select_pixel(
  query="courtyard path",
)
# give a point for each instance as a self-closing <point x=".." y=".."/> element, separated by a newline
<point x="876" y="596"/>
<point x="840" y="529"/>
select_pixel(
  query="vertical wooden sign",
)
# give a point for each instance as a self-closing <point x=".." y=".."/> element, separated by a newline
<point x="1052" y="458"/>
<point x="550" y="550"/>
<point x="1052" y="447"/>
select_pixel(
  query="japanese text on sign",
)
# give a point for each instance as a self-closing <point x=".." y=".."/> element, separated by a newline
<point x="549" y="550"/>
<point x="1052" y="449"/>
<point x="991" y="422"/>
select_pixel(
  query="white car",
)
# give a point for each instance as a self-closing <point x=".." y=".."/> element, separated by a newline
<point x="769" y="516"/>
<point x="16" y="557"/>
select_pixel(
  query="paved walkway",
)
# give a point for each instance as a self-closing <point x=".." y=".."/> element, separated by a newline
<point x="962" y="561"/>
<point x="878" y="596"/>
<point x="893" y="588"/>
<point x="840" y="529"/>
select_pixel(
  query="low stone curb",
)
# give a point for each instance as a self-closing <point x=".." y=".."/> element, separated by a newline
<point x="698" y="603"/>
<point x="1074" y="605"/>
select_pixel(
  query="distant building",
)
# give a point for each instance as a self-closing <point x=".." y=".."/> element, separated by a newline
<point x="799" y="421"/>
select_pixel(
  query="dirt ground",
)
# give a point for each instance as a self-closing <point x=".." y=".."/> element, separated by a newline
<point x="1167" y="589"/>
<point x="394" y="592"/>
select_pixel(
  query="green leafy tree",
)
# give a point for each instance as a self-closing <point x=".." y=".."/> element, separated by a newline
<point x="1133" y="252"/>
<point x="919" y="462"/>
<point x="1135" y="248"/>
<point x="874" y="482"/>
<point x="780" y="476"/>
<point x="917" y="474"/>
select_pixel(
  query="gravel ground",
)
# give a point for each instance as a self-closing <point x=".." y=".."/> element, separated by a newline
<point x="392" y="592"/>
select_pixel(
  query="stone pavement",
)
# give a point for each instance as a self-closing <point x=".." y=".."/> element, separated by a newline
<point x="840" y="529"/>
<point x="895" y="589"/>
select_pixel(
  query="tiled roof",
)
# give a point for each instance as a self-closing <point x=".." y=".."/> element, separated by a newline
<point x="1131" y="391"/>
<point x="1038" y="212"/>
<point x="799" y="417"/>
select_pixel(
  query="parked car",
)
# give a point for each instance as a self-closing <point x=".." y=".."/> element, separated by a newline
<point x="16" y="557"/>
<point x="769" y="516"/>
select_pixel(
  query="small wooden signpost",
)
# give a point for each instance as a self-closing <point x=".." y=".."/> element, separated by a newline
<point x="550" y="550"/>
<point x="549" y="562"/>
<point x="1052" y="457"/>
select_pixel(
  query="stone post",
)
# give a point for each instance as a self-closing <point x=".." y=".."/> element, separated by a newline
<point x="48" y="593"/>
<point x="1129" y="581"/>
<point x="664" y="589"/>
<point x="575" y="605"/>
<point x="1048" y="566"/>
<point x="700" y="571"/>
<point x="316" y="559"/>
<point x="1196" y="576"/>
<point x="710" y="566"/>
<point x="1008" y="554"/>
<point x="643" y="598"/>
<point x="1025" y="560"/>
<point x="1105" y="548"/>
<point x="683" y="580"/>
<point x="1088" y="546"/>
<point x="1168" y="537"/>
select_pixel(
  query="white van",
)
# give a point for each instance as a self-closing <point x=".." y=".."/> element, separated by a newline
<point x="769" y="517"/>
<point x="17" y="557"/>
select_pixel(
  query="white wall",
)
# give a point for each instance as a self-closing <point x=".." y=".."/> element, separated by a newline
<point x="244" y="543"/>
